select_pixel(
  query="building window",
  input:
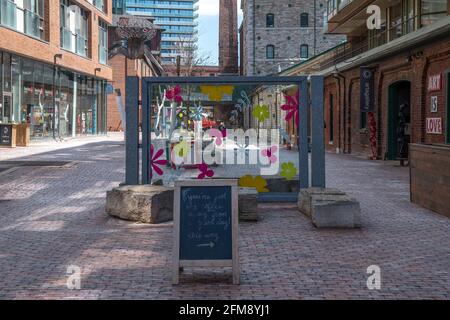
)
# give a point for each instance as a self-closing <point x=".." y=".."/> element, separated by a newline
<point x="26" y="16"/>
<point x="304" y="20"/>
<point x="432" y="10"/>
<point x="102" y="41"/>
<point x="74" y="28"/>
<point x="99" y="4"/>
<point x="270" y="52"/>
<point x="270" y="20"/>
<point x="304" y="54"/>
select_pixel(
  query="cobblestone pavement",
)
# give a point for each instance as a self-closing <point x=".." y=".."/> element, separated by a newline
<point x="53" y="217"/>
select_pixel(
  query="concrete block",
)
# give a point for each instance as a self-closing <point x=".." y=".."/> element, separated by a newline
<point x="304" y="197"/>
<point x="145" y="204"/>
<point x="335" y="211"/>
<point x="248" y="204"/>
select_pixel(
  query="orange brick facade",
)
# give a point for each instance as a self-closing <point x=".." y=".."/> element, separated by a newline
<point x="45" y="51"/>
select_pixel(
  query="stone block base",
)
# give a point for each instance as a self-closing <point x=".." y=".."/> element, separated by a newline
<point x="329" y="208"/>
<point x="145" y="204"/>
<point x="248" y="204"/>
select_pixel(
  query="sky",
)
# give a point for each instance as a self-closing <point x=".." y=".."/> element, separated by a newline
<point x="208" y="28"/>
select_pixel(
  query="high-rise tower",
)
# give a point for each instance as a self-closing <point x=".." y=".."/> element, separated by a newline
<point x="228" y="37"/>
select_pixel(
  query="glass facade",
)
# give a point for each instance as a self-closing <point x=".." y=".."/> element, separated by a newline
<point x="54" y="102"/>
<point x="178" y="18"/>
<point x="26" y="16"/>
<point x="74" y="28"/>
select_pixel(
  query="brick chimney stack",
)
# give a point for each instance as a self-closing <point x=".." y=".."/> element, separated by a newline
<point x="228" y="37"/>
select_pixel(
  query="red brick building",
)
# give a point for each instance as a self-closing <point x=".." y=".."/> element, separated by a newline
<point x="147" y="65"/>
<point x="409" y="60"/>
<point x="53" y="66"/>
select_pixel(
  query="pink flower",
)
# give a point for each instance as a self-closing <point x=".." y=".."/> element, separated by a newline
<point x="205" y="172"/>
<point x="155" y="163"/>
<point x="269" y="153"/>
<point x="291" y="107"/>
<point x="216" y="133"/>
<point x="174" y="94"/>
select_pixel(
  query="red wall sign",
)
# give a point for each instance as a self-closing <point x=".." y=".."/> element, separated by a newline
<point x="434" y="125"/>
<point x="435" y="82"/>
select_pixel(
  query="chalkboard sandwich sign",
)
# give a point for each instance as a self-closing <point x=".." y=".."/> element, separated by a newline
<point x="206" y="225"/>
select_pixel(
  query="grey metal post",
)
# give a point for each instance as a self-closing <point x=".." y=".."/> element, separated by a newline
<point x="132" y="131"/>
<point x="318" y="146"/>
<point x="146" y="134"/>
<point x="303" y="134"/>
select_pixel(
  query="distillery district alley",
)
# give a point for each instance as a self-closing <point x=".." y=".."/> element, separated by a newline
<point x="52" y="218"/>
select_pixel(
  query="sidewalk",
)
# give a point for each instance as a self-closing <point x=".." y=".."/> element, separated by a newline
<point x="48" y="145"/>
<point x="52" y="218"/>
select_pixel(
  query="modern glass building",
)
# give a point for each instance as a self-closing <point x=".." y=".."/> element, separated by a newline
<point x="178" y="18"/>
<point x="53" y="70"/>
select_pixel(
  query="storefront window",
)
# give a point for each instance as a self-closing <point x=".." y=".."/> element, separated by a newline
<point x="432" y="10"/>
<point x="35" y="93"/>
<point x="16" y="79"/>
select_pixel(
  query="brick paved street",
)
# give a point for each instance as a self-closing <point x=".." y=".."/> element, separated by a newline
<point x="53" y="217"/>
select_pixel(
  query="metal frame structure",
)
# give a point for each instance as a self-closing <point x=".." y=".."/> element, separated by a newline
<point x="307" y="107"/>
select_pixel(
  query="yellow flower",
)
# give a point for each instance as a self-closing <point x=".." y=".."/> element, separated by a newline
<point x="182" y="149"/>
<point x="216" y="93"/>
<point x="261" y="112"/>
<point x="288" y="170"/>
<point x="258" y="182"/>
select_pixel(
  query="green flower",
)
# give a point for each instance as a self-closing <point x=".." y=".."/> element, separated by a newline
<point x="288" y="170"/>
<point x="261" y="112"/>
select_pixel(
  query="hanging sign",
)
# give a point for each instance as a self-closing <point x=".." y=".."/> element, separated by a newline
<point x="434" y="125"/>
<point x="434" y="104"/>
<point x="205" y="225"/>
<point x="435" y="82"/>
<point x="366" y="89"/>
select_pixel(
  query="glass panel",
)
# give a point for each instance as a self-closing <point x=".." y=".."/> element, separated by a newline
<point x="47" y="120"/>
<point x="32" y="23"/>
<point x="37" y="112"/>
<point x="432" y="10"/>
<point x="28" y="94"/>
<point x="8" y="14"/>
<point x="16" y="71"/>
<point x="203" y="131"/>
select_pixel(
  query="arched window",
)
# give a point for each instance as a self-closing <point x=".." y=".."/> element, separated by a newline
<point x="304" y="20"/>
<point x="270" y="52"/>
<point x="304" y="54"/>
<point x="270" y="20"/>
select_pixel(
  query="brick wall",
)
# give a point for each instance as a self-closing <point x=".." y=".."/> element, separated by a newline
<point x="414" y="67"/>
<point x="21" y="44"/>
<point x="228" y="33"/>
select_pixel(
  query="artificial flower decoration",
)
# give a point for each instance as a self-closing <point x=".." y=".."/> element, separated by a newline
<point x="182" y="149"/>
<point x="261" y="112"/>
<point x="216" y="133"/>
<point x="197" y="113"/>
<point x="205" y="172"/>
<point x="258" y="182"/>
<point x="291" y="107"/>
<point x="288" y="170"/>
<point x="216" y="93"/>
<point x="155" y="161"/>
<point x="174" y="94"/>
<point x="270" y="153"/>
<point x="182" y="111"/>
